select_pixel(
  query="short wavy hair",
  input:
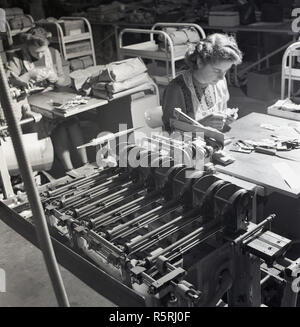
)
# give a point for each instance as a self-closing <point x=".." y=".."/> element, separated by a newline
<point x="216" y="47"/>
<point x="37" y="36"/>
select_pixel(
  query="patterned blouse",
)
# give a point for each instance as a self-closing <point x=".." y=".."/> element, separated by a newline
<point x="192" y="98"/>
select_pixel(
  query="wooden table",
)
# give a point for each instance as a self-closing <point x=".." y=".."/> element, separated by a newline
<point x="43" y="104"/>
<point x="256" y="167"/>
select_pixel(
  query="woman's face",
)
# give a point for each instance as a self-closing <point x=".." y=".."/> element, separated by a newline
<point x="212" y="73"/>
<point x="37" y="51"/>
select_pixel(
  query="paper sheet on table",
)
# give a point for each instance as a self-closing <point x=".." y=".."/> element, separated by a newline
<point x="286" y="105"/>
<point x="291" y="178"/>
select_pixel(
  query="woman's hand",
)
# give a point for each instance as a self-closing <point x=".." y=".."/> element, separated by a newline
<point x="42" y="74"/>
<point x="214" y="120"/>
<point x="38" y="74"/>
<point x="52" y="77"/>
<point x="20" y="81"/>
<point x="231" y="115"/>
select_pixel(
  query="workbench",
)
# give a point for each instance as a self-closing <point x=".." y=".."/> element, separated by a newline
<point x="128" y="108"/>
<point x="43" y="104"/>
<point x="256" y="167"/>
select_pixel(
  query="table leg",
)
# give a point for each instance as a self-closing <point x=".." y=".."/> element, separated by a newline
<point x="258" y="206"/>
<point x="116" y="27"/>
<point x="5" y="177"/>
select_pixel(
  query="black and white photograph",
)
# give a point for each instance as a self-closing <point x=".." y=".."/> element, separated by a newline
<point x="150" y="157"/>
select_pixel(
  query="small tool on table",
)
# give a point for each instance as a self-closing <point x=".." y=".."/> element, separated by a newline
<point x="245" y="147"/>
<point x="273" y="152"/>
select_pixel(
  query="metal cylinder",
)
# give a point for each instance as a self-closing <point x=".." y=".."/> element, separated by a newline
<point x="40" y="153"/>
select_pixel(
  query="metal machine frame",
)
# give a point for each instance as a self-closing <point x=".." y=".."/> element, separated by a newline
<point x="242" y="251"/>
<point x="82" y="268"/>
<point x="289" y="73"/>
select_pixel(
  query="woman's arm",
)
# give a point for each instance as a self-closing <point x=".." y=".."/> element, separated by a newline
<point x="231" y="114"/>
<point x="173" y="98"/>
<point x="59" y="70"/>
<point x="14" y="73"/>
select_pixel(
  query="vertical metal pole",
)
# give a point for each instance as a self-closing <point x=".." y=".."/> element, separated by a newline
<point x="32" y="193"/>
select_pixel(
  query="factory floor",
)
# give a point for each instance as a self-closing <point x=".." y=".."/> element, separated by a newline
<point x="28" y="284"/>
<point x="27" y="280"/>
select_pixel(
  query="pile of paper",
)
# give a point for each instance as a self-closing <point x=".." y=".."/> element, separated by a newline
<point x="286" y="105"/>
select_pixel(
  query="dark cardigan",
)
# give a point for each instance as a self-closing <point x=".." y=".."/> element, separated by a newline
<point x="176" y="95"/>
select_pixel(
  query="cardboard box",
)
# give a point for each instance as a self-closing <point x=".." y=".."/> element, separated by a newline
<point x="78" y="47"/>
<point x="20" y="22"/>
<point x="73" y="27"/>
<point x="264" y="85"/>
<point x="224" y="18"/>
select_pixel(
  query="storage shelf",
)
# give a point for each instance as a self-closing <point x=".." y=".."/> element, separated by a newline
<point x="18" y="31"/>
<point x="61" y="40"/>
<point x="79" y="54"/>
<point x="75" y="38"/>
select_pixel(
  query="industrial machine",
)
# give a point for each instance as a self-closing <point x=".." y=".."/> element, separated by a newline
<point x="163" y="232"/>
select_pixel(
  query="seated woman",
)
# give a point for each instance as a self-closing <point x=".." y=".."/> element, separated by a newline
<point x="35" y="64"/>
<point x="201" y="91"/>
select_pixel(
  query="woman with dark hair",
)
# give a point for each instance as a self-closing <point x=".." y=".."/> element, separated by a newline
<point x="201" y="91"/>
<point x="36" y="63"/>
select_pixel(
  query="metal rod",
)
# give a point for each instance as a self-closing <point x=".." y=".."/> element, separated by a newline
<point x="70" y="186"/>
<point x="141" y="224"/>
<point x="129" y="224"/>
<point x="257" y="228"/>
<point x="265" y="279"/>
<point x="99" y="204"/>
<point x="94" y="182"/>
<point x="191" y="245"/>
<point x="131" y="246"/>
<point x="181" y="242"/>
<point x="32" y="192"/>
<point x="122" y="214"/>
<point x="21" y="123"/>
<point x="97" y="222"/>
<point x="167" y="230"/>
<point x="94" y="195"/>
<point x="81" y="194"/>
